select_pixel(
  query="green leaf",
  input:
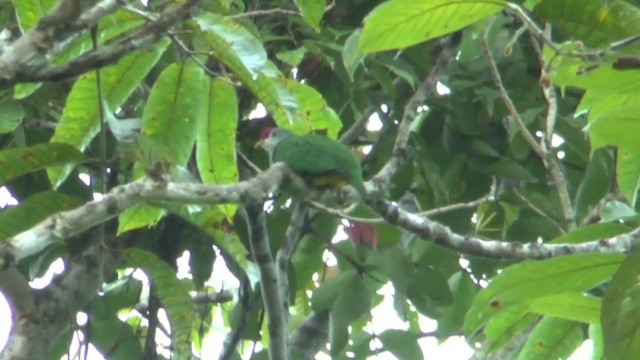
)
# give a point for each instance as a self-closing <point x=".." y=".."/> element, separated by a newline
<point x="292" y="57"/>
<point x="595" y="22"/>
<point x="592" y="232"/>
<point x="29" y="12"/>
<point x="325" y="295"/>
<point x="402" y="344"/>
<point x="596" y="182"/>
<point x="351" y="55"/>
<point x="20" y="161"/>
<point x="216" y="138"/>
<point x="351" y="303"/>
<point x="173" y="295"/>
<point x="139" y="216"/>
<point x="242" y="53"/>
<point x="80" y="120"/>
<point x="115" y="339"/>
<point x="11" y="114"/>
<point x="511" y="170"/>
<point x="620" y="315"/>
<point x="395" y="264"/>
<point x="312" y="11"/>
<point x="628" y="171"/>
<point x="121" y="294"/>
<point x="464" y="290"/>
<point x="530" y="280"/>
<point x="570" y="306"/>
<point x="616" y="210"/>
<point x="312" y="112"/>
<point x="400" y="23"/>
<point x="552" y="339"/>
<point x="37" y="207"/>
<point x="509" y="321"/>
<point x="595" y="334"/>
<point x="175" y="107"/>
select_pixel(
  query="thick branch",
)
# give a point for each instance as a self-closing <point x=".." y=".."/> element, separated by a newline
<point x="283" y="257"/>
<point x="15" y="71"/>
<point x="36" y="327"/>
<point x="311" y="337"/>
<point x="271" y="295"/>
<point x="502" y="250"/>
<point x="66" y="224"/>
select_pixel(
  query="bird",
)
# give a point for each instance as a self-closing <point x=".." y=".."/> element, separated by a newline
<point x="322" y="162"/>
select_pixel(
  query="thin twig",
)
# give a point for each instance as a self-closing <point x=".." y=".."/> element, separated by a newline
<point x="497" y="80"/>
<point x="341" y="213"/>
<point x="401" y="147"/>
<point x="550" y="158"/>
<point x="538" y="210"/>
<point x="459" y="206"/>
<point x="267" y="12"/>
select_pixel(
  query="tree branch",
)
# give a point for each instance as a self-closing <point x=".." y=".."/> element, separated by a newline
<point x="15" y="70"/>
<point x="291" y="238"/>
<point x="429" y="230"/>
<point x="37" y="321"/>
<point x="64" y="225"/>
<point x="542" y="149"/>
<point x="401" y="148"/>
<point x="274" y="304"/>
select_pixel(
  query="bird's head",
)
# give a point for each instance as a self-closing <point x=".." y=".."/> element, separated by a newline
<point x="271" y="136"/>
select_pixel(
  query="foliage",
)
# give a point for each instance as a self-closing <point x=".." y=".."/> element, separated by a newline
<point x="328" y="68"/>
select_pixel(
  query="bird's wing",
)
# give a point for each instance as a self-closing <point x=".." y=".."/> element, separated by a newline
<point x="315" y="155"/>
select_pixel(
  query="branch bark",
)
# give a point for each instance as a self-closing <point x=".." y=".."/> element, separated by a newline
<point x="38" y="315"/>
<point x="24" y="60"/>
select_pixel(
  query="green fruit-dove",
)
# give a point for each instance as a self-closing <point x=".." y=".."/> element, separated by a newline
<point x="322" y="162"/>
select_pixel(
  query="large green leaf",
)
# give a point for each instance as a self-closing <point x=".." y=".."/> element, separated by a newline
<point x="29" y="12"/>
<point x="595" y="184"/>
<point x="11" y="114"/>
<point x="115" y="339"/>
<point x="402" y="344"/>
<point x="325" y="296"/>
<point x="607" y="81"/>
<point x="20" y="161"/>
<point x="15" y="219"/>
<point x="509" y="321"/>
<point x="531" y="280"/>
<point x="80" y="120"/>
<point x="463" y="290"/>
<point x="351" y="303"/>
<point x="596" y="22"/>
<point x="312" y="11"/>
<point x="312" y="112"/>
<point x="243" y="54"/>
<point x="216" y="150"/>
<point x="139" y="216"/>
<point x="552" y="339"/>
<point x="173" y="295"/>
<point x="592" y="232"/>
<point x="175" y="107"/>
<point x="570" y="306"/>
<point x="400" y="23"/>
<point x="621" y="311"/>
<point x="121" y="294"/>
<point x="619" y="128"/>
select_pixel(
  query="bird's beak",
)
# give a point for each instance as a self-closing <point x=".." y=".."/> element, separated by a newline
<point x="258" y="144"/>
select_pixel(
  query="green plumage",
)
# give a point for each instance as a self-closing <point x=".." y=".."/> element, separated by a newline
<point x="318" y="159"/>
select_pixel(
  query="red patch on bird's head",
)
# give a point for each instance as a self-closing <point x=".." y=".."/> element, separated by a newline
<point x="266" y="132"/>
